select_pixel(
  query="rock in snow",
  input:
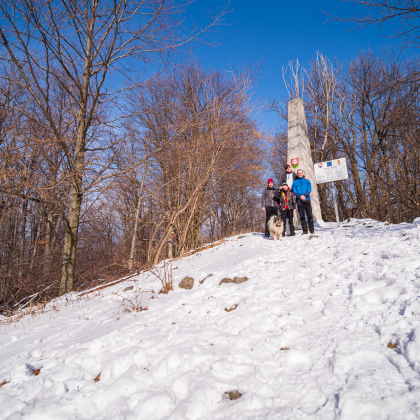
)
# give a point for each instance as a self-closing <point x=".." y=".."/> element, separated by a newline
<point x="186" y="283"/>
<point x="239" y="280"/>
<point x="309" y="338"/>
<point x="225" y="280"/>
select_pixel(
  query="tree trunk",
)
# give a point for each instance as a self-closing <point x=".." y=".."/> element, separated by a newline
<point x="70" y="241"/>
<point x="48" y="236"/>
<point x="76" y="195"/>
<point x="23" y="239"/>
<point x="136" y="221"/>
<point x="170" y="249"/>
<point x="35" y="238"/>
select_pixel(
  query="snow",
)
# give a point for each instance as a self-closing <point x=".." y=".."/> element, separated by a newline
<point x="308" y="340"/>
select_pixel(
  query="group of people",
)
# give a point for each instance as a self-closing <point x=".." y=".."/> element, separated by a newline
<point x="293" y="193"/>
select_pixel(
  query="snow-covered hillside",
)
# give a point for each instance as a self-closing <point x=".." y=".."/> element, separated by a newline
<point x="326" y="327"/>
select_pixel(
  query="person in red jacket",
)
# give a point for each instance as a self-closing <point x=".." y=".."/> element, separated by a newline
<point x="287" y="206"/>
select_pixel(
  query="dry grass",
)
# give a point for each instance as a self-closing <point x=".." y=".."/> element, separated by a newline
<point x="167" y="287"/>
<point x="232" y="308"/>
<point x="203" y="248"/>
<point x="113" y="283"/>
<point x="97" y="378"/>
<point x="165" y="276"/>
<point x="33" y="310"/>
<point x="134" y="304"/>
<point x="392" y="345"/>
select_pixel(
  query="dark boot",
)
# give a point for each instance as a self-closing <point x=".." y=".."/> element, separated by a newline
<point x="267" y="232"/>
<point x="292" y="229"/>
<point x="291" y="225"/>
<point x="305" y="232"/>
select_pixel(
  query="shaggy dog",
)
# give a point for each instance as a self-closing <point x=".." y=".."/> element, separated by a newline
<point x="276" y="227"/>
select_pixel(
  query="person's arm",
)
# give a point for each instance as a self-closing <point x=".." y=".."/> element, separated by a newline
<point x="293" y="197"/>
<point x="309" y="190"/>
<point x="276" y="197"/>
<point x="263" y="200"/>
<point x="294" y="187"/>
<point x="278" y="201"/>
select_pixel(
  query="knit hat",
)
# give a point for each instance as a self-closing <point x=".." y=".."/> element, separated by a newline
<point x="270" y="180"/>
<point x="284" y="183"/>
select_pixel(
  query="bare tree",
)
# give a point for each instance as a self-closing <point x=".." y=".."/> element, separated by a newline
<point x="404" y="14"/>
<point x="294" y="79"/>
<point x="80" y="47"/>
<point x="207" y="116"/>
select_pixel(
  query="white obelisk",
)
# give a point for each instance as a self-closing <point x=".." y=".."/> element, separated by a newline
<point x="299" y="150"/>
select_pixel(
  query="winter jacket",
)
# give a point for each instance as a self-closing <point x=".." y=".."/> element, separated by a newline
<point x="289" y="200"/>
<point x="302" y="186"/>
<point x="268" y="199"/>
<point x="292" y="177"/>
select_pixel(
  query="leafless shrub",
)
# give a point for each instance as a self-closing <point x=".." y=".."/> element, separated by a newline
<point x="165" y="276"/>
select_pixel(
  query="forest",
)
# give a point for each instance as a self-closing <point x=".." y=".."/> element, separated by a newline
<point x="112" y="158"/>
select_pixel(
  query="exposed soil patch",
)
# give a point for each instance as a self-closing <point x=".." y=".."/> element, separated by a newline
<point x="232" y="395"/>
<point x="3" y="383"/>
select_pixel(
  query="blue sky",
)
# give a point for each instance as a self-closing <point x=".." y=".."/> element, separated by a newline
<point x="282" y="30"/>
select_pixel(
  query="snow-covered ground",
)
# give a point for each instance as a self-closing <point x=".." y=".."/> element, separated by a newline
<point x="308" y="339"/>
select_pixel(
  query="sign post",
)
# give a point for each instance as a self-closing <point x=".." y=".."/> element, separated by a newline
<point x="335" y="205"/>
<point x="331" y="171"/>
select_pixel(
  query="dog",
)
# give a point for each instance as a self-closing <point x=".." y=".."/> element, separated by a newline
<point x="276" y="227"/>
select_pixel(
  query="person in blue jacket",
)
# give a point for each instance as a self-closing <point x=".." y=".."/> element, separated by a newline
<point x="302" y="190"/>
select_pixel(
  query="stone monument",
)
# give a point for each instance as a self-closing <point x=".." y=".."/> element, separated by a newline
<point x="299" y="150"/>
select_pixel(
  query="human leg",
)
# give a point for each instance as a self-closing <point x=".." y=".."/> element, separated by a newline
<point x="308" y="210"/>
<point x="268" y="214"/>
<point x="291" y="224"/>
<point x="284" y="219"/>
<point x="301" y="209"/>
